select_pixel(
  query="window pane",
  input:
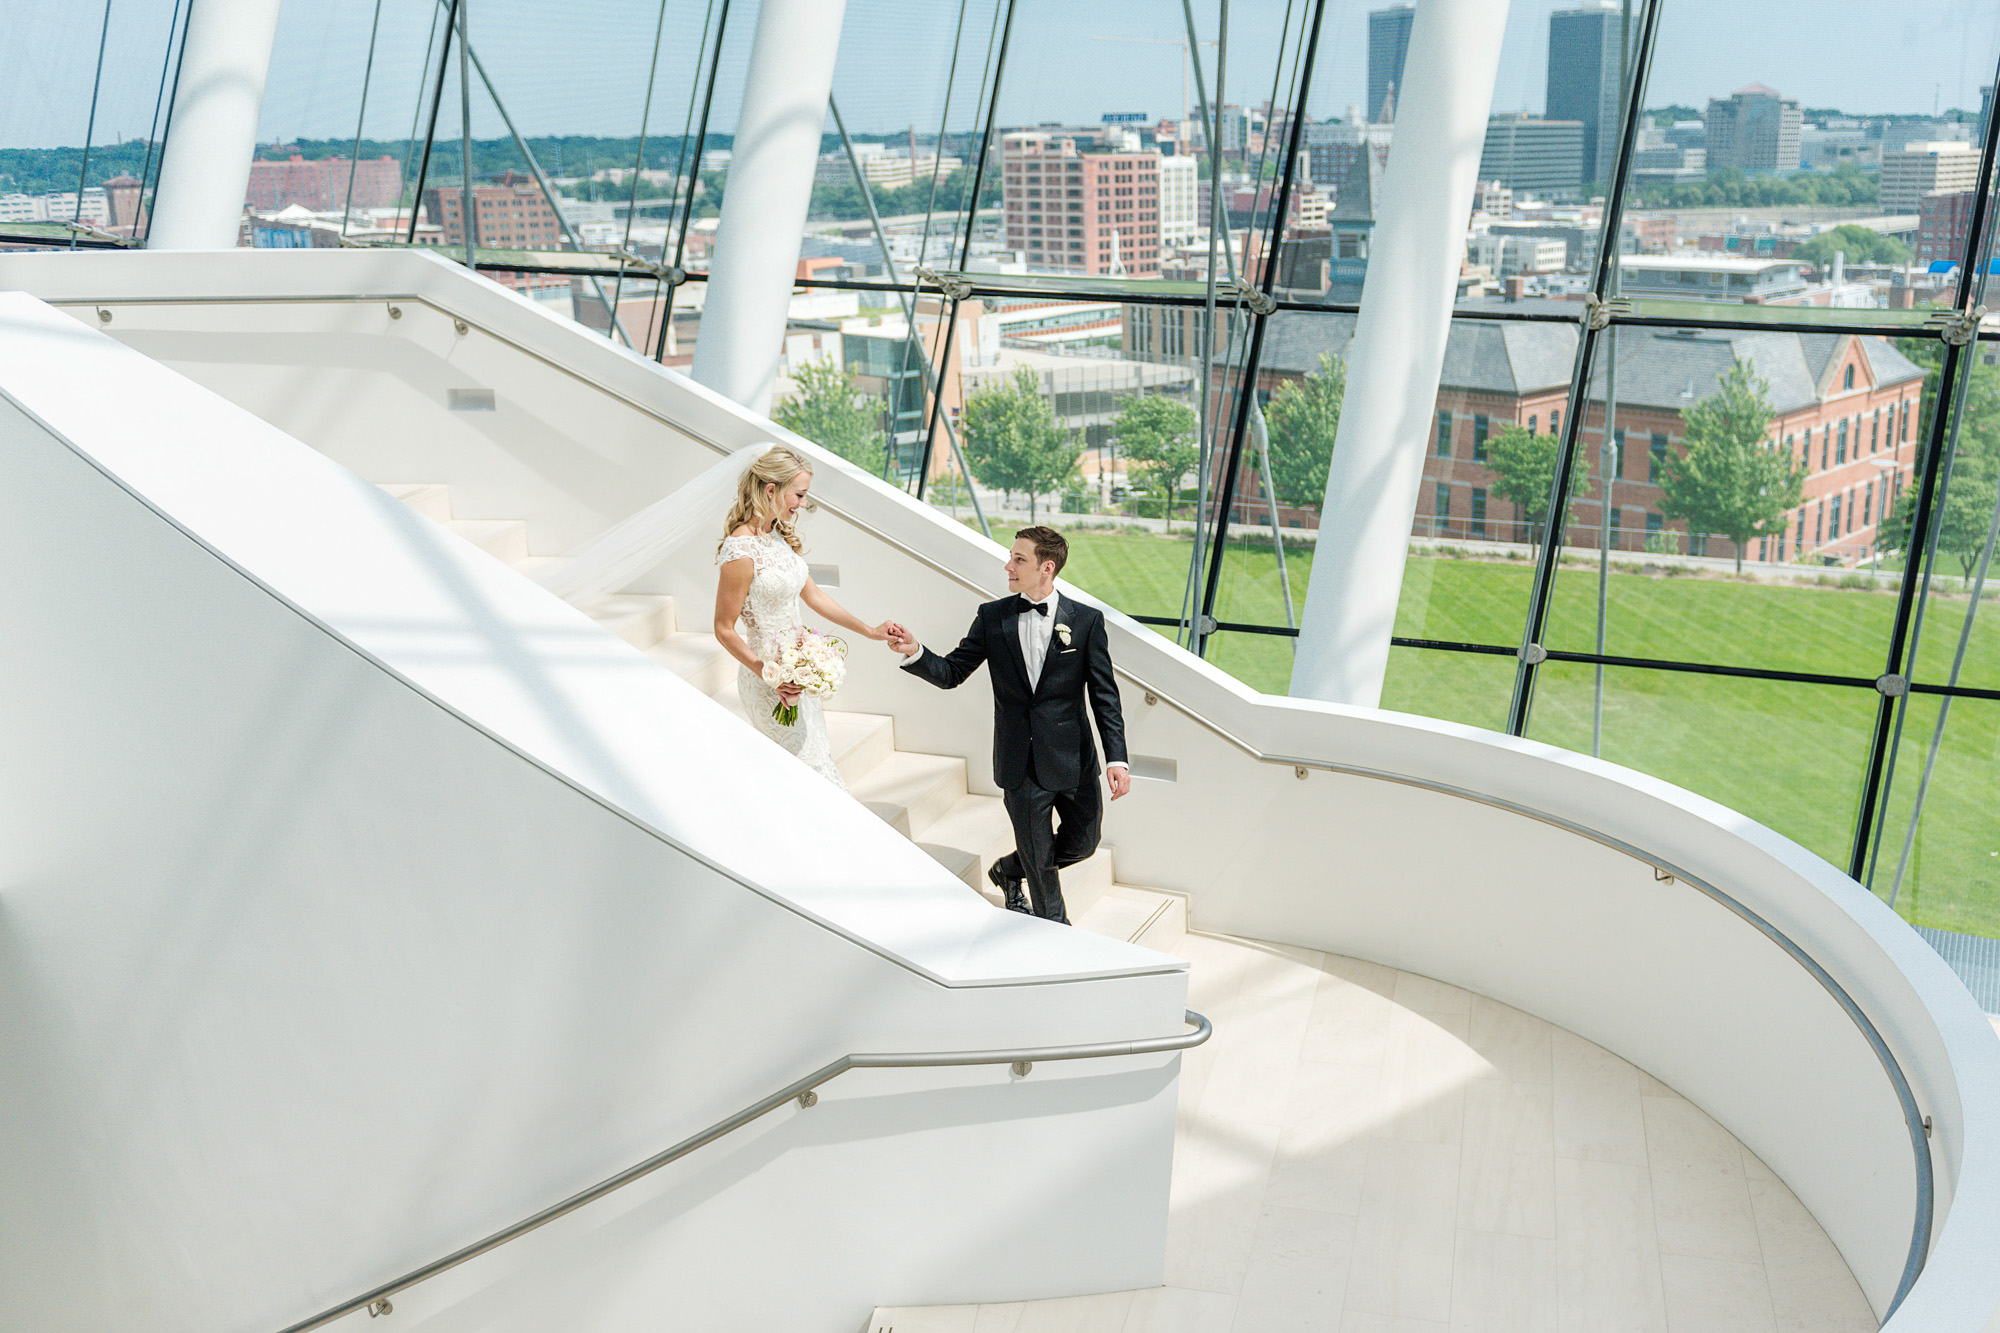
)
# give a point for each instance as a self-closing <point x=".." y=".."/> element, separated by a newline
<point x="1713" y="423"/>
<point x="1938" y="864"/>
<point x="1139" y="573"/>
<point x="1473" y="688"/>
<point x="909" y="85"/>
<point x="45" y="111"/>
<point x="1790" y="756"/>
<point x="1129" y="175"/>
<point x="1734" y="147"/>
<point x="583" y="137"/>
<point x="1261" y="661"/>
<point x="1958" y="639"/>
<point x="1458" y="585"/>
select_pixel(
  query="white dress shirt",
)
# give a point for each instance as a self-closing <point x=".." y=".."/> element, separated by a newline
<point x="1035" y="631"/>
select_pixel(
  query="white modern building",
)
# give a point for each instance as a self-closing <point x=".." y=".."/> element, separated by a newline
<point x="1180" y="206"/>
<point x="58" y="207"/>
<point x="394" y="936"/>
<point x="1918" y="169"/>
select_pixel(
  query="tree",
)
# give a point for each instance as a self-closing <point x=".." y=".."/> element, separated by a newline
<point x="1162" y="437"/>
<point x="1730" y="478"/>
<point x="1524" y="464"/>
<point x="1302" y="420"/>
<point x="1012" y="441"/>
<point x="1728" y="187"/>
<point x="1860" y="245"/>
<point x="1961" y="521"/>
<point x="827" y="410"/>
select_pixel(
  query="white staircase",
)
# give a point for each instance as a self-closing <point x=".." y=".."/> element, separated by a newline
<point x="1358" y="1148"/>
<point x="922" y="796"/>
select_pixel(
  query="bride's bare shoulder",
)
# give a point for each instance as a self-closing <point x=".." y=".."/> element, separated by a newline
<point x="743" y="530"/>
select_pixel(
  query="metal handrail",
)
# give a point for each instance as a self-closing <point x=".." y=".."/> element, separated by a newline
<point x="1914" y="1120"/>
<point x="376" y="1300"/>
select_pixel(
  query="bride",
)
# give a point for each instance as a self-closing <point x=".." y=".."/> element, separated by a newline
<point x="764" y="578"/>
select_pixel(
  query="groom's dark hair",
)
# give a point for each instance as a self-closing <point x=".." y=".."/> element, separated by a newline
<point x="1049" y="545"/>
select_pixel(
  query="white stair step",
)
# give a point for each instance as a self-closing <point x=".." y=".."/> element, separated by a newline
<point x="1084" y="884"/>
<point x="969" y="837"/>
<point x="910" y="791"/>
<point x="1141" y="916"/>
<point x="925" y="1319"/>
<point x="505" y="539"/>
<point x="700" y="661"/>
<point x="642" y="620"/>
<point x="430" y="498"/>
<point x="860" y="741"/>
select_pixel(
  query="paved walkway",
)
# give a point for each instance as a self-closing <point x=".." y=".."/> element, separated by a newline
<point x="1364" y="1150"/>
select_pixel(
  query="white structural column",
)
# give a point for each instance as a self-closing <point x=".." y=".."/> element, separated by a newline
<point x="770" y="188"/>
<point x="1392" y="375"/>
<point x="205" y="172"/>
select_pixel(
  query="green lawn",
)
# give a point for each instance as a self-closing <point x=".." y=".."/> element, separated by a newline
<point x="1791" y="756"/>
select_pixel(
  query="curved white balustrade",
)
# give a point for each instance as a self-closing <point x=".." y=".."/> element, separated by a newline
<point x="1435" y="851"/>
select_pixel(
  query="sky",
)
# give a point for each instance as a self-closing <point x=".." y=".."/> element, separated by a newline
<point x="581" y="66"/>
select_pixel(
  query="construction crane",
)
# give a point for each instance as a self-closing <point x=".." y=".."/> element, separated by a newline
<point x="1185" y="58"/>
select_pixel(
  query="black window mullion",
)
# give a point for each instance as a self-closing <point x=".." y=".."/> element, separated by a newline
<point x="1641" y="61"/>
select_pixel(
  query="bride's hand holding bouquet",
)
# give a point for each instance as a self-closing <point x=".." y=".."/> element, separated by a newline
<point x="816" y="664"/>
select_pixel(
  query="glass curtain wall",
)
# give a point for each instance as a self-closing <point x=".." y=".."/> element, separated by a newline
<point x="85" y="104"/>
<point x="1710" y="484"/>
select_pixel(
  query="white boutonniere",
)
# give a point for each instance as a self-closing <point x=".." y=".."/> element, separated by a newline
<point x="1062" y="632"/>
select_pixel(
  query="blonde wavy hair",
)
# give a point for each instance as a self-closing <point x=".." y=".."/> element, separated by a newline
<point x="776" y="466"/>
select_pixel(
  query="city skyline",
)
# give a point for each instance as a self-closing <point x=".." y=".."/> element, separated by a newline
<point x="1917" y="59"/>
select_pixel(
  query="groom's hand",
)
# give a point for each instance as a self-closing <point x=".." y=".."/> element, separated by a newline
<point x="904" y="642"/>
<point x="1120" y="778"/>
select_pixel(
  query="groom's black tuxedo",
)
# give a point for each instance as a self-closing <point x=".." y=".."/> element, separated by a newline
<point x="1043" y="758"/>
<point x="1039" y="730"/>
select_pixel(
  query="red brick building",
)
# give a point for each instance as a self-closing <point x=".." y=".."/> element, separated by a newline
<point x="1942" y="219"/>
<point x="1080" y="209"/>
<point x="510" y="215"/>
<point x="321" y="186"/>
<point x="1844" y="406"/>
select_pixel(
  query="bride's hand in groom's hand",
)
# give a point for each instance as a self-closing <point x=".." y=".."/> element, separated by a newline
<point x="886" y="632"/>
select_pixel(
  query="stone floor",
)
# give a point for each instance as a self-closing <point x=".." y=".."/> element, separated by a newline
<point x="1364" y="1150"/>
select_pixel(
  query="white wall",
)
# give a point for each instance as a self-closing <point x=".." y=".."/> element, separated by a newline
<point x="357" y="899"/>
<point x="1367" y="865"/>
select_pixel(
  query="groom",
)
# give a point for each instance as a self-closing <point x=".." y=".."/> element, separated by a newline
<point x="1046" y="652"/>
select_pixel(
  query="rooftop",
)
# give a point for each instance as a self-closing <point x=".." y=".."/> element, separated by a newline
<point x="1711" y="263"/>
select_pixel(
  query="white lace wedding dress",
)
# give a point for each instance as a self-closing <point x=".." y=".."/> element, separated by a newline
<point x="770" y="620"/>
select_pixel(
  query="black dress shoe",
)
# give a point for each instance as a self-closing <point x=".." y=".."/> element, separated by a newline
<point x="1017" y="901"/>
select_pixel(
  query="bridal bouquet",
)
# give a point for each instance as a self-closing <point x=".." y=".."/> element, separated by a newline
<point x="816" y="664"/>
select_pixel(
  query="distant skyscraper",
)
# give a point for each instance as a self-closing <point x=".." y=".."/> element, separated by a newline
<point x="1584" y="58"/>
<point x="1754" y="130"/>
<point x="1388" y="44"/>
<point x="1530" y="155"/>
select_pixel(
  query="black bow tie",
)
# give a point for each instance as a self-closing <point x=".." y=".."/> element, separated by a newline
<point x="1022" y="604"/>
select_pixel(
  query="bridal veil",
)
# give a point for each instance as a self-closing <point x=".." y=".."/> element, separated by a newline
<point x="633" y="545"/>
